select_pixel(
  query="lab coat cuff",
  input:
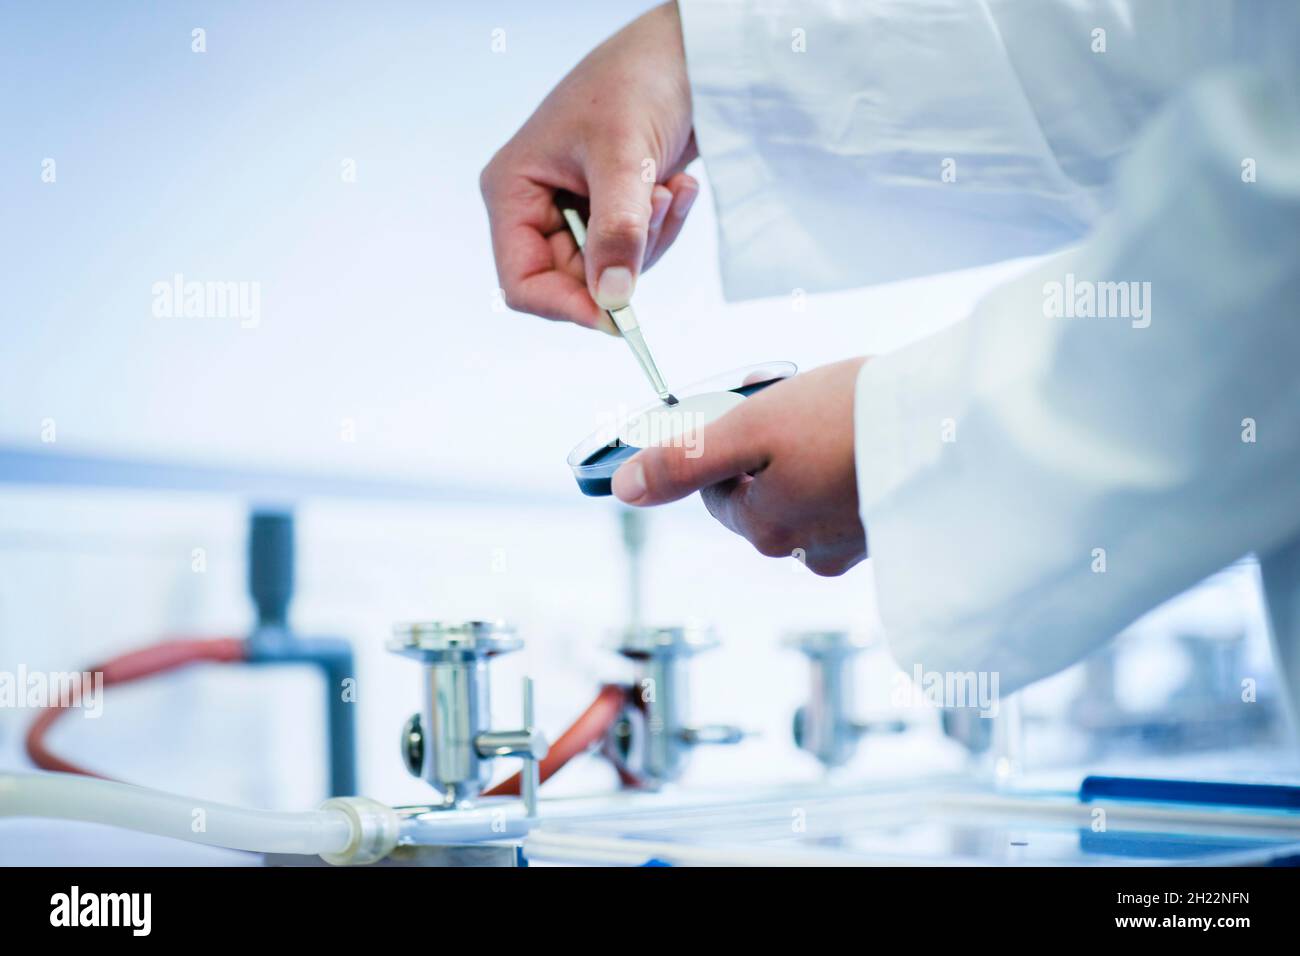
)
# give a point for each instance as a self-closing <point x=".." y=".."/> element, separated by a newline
<point x="907" y="406"/>
<point x="906" y="409"/>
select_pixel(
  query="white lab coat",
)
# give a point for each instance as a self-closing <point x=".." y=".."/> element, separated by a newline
<point x="1002" y="460"/>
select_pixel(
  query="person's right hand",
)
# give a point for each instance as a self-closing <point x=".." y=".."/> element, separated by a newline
<point x="617" y="130"/>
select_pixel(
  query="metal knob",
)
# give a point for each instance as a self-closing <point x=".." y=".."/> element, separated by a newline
<point x="527" y="744"/>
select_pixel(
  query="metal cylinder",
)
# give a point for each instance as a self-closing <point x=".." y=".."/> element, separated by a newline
<point x="456" y="706"/>
<point x="825" y="726"/>
<point x="659" y="655"/>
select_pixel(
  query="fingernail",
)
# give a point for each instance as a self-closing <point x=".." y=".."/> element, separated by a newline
<point x="659" y="211"/>
<point x="629" y="482"/>
<point x="683" y="202"/>
<point x="614" y="289"/>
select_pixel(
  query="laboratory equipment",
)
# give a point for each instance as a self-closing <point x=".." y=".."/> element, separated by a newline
<point x="448" y="742"/>
<point x="1203" y="709"/>
<point x="651" y="740"/>
<point x="825" y="726"/>
<point x="272" y="641"/>
<point x="929" y="821"/>
<point x="271" y="556"/>
<point x="632" y="524"/>
<point x="642" y="727"/>
<point x="940" y="821"/>
<point x="595" y="459"/>
<point x="624" y="319"/>
<point x="342" y="830"/>
<point x="969" y="728"/>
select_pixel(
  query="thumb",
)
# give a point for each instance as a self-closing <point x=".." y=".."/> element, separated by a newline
<point x="728" y="448"/>
<point x="620" y="185"/>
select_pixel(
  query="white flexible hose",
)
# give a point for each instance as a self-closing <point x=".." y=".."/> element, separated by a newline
<point x="63" y="796"/>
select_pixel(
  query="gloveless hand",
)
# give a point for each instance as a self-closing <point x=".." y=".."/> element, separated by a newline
<point x="778" y="470"/>
<point x="617" y="130"/>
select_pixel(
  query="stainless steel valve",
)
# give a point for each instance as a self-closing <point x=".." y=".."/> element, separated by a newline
<point x="449" y="742"/>
<point x="651" y="740"/>
<point x="825" y="726"/>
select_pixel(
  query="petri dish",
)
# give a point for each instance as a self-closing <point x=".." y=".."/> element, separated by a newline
<point x="595" y="459"/>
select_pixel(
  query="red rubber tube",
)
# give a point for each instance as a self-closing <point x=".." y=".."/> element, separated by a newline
<point x="158" y="658"/>
<point x="589" y="729"/>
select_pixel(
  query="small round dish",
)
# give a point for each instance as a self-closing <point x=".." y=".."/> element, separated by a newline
<point x="595" y="459"/>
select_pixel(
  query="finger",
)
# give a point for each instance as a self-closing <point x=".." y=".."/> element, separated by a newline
<point x="727" y="448"/>
<point x="619" y="223"/>
<point x="660" y="200"/>
<point x="531" y="246"/>
<point x="723" y="499"/>
<point x="742" y="506"/>
<point x="557" y="295"/>
<point x="685" y="189"/>
<point x="568" y="260"/>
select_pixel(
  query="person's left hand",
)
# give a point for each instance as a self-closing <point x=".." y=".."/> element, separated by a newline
<point x="778" y="470"/>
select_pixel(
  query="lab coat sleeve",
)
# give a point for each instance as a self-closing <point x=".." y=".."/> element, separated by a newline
<point x="1034" y="478"/>
<point x="853" y="143"/>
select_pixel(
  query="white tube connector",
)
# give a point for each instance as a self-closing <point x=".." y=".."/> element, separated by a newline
<point x="375" y="828"/>
<point x="344" y="830"/>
